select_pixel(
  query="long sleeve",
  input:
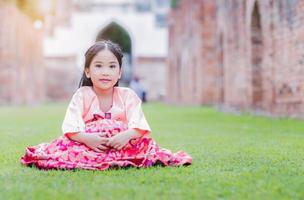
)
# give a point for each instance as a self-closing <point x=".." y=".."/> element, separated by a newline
<point x="135" y="116"/>
<point x="73" y="121"/>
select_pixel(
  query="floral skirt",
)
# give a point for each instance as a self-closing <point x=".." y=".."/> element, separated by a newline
<point x="63" y="153"/>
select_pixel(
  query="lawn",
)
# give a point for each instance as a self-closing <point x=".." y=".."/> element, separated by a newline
<point x="234" y="157"/>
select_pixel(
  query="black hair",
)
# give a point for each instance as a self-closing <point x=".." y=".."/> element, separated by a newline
<point x="92" y="51"/>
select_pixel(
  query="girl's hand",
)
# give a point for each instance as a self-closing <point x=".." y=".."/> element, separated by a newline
<point x="119" y="140"/>
<point x="96" y="141"/>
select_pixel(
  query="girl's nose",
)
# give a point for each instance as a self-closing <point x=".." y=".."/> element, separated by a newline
<point x="104" y="71"/>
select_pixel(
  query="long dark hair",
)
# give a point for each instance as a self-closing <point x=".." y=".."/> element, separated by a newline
<point x="92" y="51"/>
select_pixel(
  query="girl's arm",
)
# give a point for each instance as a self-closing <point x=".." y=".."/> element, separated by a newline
<point x="95" y="141"/>
<point x="121" y="139"/>
<point x="133" y="133"/>
<point x="77" y="137"/>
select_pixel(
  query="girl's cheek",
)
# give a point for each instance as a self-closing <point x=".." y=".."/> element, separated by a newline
<point x="95" y="70"/>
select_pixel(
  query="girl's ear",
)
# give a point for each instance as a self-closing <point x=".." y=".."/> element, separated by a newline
<point x="87" y="73"/>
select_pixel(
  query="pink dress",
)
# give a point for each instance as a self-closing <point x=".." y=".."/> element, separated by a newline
<point x="84" y="115"/>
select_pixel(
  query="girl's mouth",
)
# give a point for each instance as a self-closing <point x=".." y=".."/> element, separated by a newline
<point x="105" y="80"/>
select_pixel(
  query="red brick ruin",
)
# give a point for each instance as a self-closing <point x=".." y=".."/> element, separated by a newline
<point x="245" y="55"/>
<point x="21" y="60"/>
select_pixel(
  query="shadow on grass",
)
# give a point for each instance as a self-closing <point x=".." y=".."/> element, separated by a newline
<point x="157" y="164"/>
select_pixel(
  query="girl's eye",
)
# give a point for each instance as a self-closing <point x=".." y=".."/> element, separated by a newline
<point x="112" y="66"/>
<point x="98" y="66"/>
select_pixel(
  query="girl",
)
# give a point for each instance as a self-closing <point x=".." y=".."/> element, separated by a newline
<point x="104" y="126"/>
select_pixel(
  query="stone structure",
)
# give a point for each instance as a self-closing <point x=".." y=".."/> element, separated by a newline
<point x="247" y="55"/>
<point x="143" y="22"/>
<point x="21" y="60"/>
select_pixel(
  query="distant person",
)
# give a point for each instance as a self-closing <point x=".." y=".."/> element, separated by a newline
<point x="138" y="88"/>
<point x="104" y="125"/>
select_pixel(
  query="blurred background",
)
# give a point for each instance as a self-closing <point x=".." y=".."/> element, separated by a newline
<point x="236" y="55"/>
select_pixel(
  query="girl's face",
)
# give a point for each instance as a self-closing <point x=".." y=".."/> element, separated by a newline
<point x="104" y="70"/>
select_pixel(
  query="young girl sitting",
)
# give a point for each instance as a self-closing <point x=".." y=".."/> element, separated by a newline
<point x="104" y="126"/>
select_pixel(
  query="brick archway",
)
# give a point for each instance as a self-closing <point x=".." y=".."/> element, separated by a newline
<point x="116" y="33"/>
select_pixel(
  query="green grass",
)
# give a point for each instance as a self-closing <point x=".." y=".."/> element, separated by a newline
<point x="234" y="157"/>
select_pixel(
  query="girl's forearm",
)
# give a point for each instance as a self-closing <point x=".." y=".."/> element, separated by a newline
<point x="133" y="133"/>
<point x="77" y="137"/>
<point x="82" y="137"/>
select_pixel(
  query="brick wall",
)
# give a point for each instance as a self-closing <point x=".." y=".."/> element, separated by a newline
<point x="21" y="66"/>
<point x="152" y="74"/>
<point x="62" y="77"/>
<point x="240" y="54"/>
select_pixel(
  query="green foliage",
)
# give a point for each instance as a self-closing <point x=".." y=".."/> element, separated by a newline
<point x="118" y="35"/>
<point x="234" y="157"/>
<point x="174" y="3"/>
